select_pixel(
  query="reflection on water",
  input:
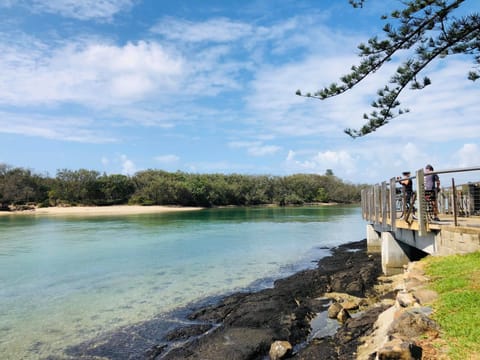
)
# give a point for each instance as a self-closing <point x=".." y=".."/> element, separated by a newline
<point x="66" y="280"/>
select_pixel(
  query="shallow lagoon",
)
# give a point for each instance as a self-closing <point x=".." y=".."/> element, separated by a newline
<point x="67" y="280"/>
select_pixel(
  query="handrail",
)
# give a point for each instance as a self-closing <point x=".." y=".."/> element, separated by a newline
<point x="475" y="168"/>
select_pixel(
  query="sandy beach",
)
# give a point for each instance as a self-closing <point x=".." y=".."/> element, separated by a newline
<point x="99" y="210"/>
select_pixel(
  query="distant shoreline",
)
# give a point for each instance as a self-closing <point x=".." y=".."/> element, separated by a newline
<point x="99" y="210"/>
<point x="112" y="210"/>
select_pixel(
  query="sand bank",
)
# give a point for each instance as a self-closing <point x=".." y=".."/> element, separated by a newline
<point x="100" y="210"/>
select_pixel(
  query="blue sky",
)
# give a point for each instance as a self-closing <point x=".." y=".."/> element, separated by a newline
<point x="121" y="86"/>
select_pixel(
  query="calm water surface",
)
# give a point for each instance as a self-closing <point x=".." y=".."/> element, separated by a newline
<point x="66" y="280"/>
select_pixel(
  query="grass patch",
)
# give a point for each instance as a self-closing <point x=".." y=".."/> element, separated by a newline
<point x="456" y="279"/>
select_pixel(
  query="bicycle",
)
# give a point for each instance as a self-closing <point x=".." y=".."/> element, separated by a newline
<point x="403" y="208"/>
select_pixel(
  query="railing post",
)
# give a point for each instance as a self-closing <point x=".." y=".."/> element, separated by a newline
<point x="369" y="203"/>
<point x="372" y="203"/>
<point x="455" y="206"/>
<point x="393" y="208"/>
<point x="384" y="204"/>
<point x="422" y="206"/>
<point x="362" y="202"/>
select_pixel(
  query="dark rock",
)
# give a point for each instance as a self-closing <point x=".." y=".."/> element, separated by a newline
<point x="348" y="337"/>
<point x="186" y="332"/>
<point x="318" y="349"/>
<point x="155" y="351"/>
<point x="231" y="343"/>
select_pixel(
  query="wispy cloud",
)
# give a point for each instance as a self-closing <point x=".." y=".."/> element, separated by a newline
<point x="341" y="161"/>
<point x="255" y="148"/>
<point x="102" y="10"/>
<point x="217" y="30"/>
<point x="55" y="128"/>
<point x="128" y="166"/>
<point x="167" y="159"/>
<point x="468" y="155"/>
<point x="88" y="73"/>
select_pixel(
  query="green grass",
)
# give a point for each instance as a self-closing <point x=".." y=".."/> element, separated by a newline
<point x="457" y="281"/>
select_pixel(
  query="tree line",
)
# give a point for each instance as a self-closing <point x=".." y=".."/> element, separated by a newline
<point x="21" y="187"/>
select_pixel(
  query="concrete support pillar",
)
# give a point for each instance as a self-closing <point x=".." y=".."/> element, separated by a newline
<point x="393" y="255"/>
<point x="374" y="242"/>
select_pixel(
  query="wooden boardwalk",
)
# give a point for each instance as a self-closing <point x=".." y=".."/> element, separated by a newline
<point x="472" y="222"/>
<point x="458" y="205"/>
<point x="397" y="233"/>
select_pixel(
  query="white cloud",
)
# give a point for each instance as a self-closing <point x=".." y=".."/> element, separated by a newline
<point x="89" y="73"/>
<point x="340" y="161"/>
<point x="81" y="9"/>
<point x="255" y="148"/>
<point x="263" y="150"/>
<point x="167" y="159"/>
<point x="468" y="155"/>
<point x="128" y="166"/>
<point x="290" y="156"/>
<point x="59" y="128"/>
<point x="215" y="30"/>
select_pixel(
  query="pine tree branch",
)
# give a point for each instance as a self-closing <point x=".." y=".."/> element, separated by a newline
<point x="376" y="121"/>
<point x="451" y="36"/>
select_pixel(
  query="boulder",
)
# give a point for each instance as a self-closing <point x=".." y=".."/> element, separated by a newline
<point x="334" y="309"/>
<point x="425" y="296"/>
<point x="350" y="305"/>
<point x="343" y="315"/>
<point x="280" y="349"/>
<point x="405" y="299"/>
<point x="411" y="324"/>
<point x="397" y="349"/>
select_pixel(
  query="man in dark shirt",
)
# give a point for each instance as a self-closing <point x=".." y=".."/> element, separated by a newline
<point x="432" y="185"/>
<point x="407" y="188"/>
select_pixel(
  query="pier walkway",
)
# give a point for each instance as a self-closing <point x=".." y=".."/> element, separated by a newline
<point x="404" y="232"/>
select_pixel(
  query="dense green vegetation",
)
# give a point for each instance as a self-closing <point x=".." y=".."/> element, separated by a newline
<point x="456" y="279"/>
<point x="20" y="186"/>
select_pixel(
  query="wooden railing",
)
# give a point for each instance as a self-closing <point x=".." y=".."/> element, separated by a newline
<point x="384" y="204"/>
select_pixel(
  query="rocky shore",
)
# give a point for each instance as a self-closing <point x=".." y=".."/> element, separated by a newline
<point x="342" y="309"/>
<point x="245" y="325"/>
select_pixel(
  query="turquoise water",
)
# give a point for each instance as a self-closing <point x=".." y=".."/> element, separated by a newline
<point x="66" y="280"/>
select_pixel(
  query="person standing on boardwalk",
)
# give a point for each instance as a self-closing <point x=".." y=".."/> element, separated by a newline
<point x="407" y="188"/>
<point x="432" y="185"/>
